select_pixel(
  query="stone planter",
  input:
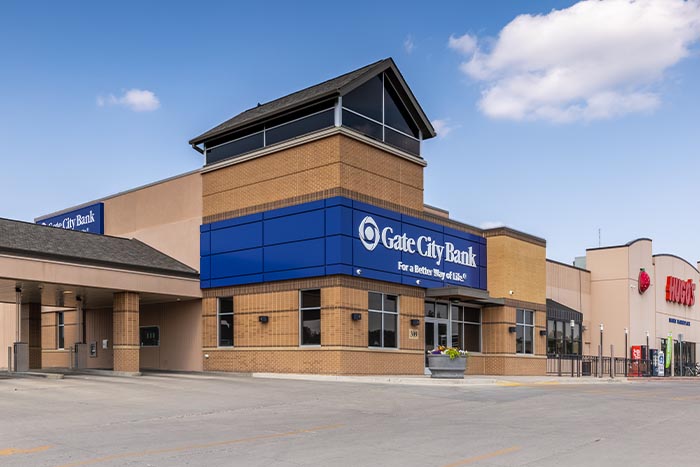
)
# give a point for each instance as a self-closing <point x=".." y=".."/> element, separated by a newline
<point x="441" y="366"/>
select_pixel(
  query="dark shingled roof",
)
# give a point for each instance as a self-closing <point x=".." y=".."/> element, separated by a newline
<point x="39" y="241"/>
<point x="332" y="87"/>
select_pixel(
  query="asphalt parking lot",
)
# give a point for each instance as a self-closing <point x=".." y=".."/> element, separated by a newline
<point x="174" y="420"/>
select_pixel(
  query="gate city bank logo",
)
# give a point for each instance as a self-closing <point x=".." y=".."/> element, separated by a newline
<point x="371" y="236"/>
<point x="369" y="233"/>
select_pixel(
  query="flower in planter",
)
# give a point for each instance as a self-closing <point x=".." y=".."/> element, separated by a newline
<point x="451" y="352"/>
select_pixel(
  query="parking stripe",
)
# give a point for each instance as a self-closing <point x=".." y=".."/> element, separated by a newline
<point x="484" y="456"/>
<point x="200" y="446"/>
<point x="13" y="451"/>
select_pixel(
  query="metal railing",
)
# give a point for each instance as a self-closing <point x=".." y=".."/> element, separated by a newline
<point x="564" y="365"/>
<point x="597" y="366"/>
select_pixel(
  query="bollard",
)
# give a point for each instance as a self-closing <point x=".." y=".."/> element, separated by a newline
<point x="9" y="359"/>
<point x="612" y="361"/>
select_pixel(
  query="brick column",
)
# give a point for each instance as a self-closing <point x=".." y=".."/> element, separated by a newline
<point x="125" y="321"/>
<point x="34" y="328"/>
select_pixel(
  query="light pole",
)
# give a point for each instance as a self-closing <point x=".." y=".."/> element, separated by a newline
<point x="572" y="347"/>
<point x="626" y="334"/>
<point x="600" y="352"/>
<point x="647" y="364"/>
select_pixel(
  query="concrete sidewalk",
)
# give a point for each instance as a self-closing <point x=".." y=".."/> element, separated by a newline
<point x="471" y="380"/>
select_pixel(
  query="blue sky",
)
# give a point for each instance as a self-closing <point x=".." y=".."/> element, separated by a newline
<point x="603" y="135"/>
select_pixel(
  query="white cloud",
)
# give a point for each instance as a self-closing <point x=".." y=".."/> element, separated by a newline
<point x="443" y="127"/>
<point x="594" y="60"/>
<point x="408" y="45"/>
<point x="138" y="100"/>
<point x="465" y="44"/>
<point x="491" y="225"/>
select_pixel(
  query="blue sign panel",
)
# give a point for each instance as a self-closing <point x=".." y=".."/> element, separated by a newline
<point x="87" y="219"/>
<point x="339" y="236"/>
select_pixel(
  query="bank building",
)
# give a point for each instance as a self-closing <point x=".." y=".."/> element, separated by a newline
<point x="302" y="245"/>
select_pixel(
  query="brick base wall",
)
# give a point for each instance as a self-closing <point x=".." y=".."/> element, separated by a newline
<point x="315" y="361"/>
<point x="55" y="359"/>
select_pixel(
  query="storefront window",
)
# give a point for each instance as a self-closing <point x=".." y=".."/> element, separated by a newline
<point x="61" y="330"/>
<point x="383" y="320"/>
<point x="225" y="319"/>
<point x="310" y="316"/>
<point x="466" y="328"/>
<point x="562" y="339"/>
<point x="525" y="325"/>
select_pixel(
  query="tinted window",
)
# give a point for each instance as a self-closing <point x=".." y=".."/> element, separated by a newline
<point x="390" y="303"/>
<point x="362" y="125"/>
<point x="310" y="316"/>
<point x="235" y="148"/>
<point x="150" y="336"/>
<point x="300" y="127"/>
<point x="430" y="309"/>
<point x="389" y="330"/>
<point x="311" y="298"/>
<point x="225" y="317"/>
<point x="375" y="301"/>
<point x="311" y="327"/>
<point x="400" y="141"/>
<point x="472" y="337"/>
<point x="472" y="315"/>
<point x="366" y="99"/>
<point x="226" y="330"/>
<point x="375" y="329"/>
<point x="395" y="113"/>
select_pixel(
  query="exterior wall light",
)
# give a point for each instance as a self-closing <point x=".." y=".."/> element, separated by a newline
<point x="415" y="322"/>
<point x="543" y="332"/>
<point x="263" y="319"/>
<point x="356" y="316"/>
<point x="512" y="329"/>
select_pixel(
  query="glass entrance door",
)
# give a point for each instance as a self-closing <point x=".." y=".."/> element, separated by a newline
<point x="436" y="326"/>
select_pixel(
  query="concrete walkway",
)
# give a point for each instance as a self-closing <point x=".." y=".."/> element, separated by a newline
<point x="471" y="380"/>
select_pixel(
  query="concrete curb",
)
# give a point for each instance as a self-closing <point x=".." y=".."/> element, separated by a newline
<point x="31" y="374"/>
<point x="507" y="381"/>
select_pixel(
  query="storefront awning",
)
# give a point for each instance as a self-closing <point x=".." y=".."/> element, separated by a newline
<point x="464" y="294"/>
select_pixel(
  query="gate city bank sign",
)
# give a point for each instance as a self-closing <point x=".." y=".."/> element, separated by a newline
<point x="87" y="219"/>
<point x="371" y="236"/>
<point x="339" y="236"/>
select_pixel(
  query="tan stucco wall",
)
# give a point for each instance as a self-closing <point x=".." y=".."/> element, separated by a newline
<point x="8" y="322"/>
<point x="46" y="271"/>
<point x="571" y="287"/>
<point x="180" y="326"/>
<point x="665" y="266"/>
<point x="165" y="215"/>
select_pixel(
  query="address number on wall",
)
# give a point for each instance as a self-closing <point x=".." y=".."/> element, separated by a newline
<point x="413" y="333"/>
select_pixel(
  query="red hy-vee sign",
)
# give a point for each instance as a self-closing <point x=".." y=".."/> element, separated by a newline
<point x="680" y="291"/>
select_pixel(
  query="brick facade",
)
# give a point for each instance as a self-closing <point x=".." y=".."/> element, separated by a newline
<point x="125" y="316"/>
<point x="339" y="165"/>
<point x="316" y="167"/>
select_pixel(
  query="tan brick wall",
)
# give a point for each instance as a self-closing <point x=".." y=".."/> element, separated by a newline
<point x="125" y="316"/>
<point x="517" y="265"/>
<point x="55" y="358"/>
<point x="315" y="167"/>
<point x="315" y="361"/>
<point x="340" y="297"/>
<point x="495" y="323"/>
